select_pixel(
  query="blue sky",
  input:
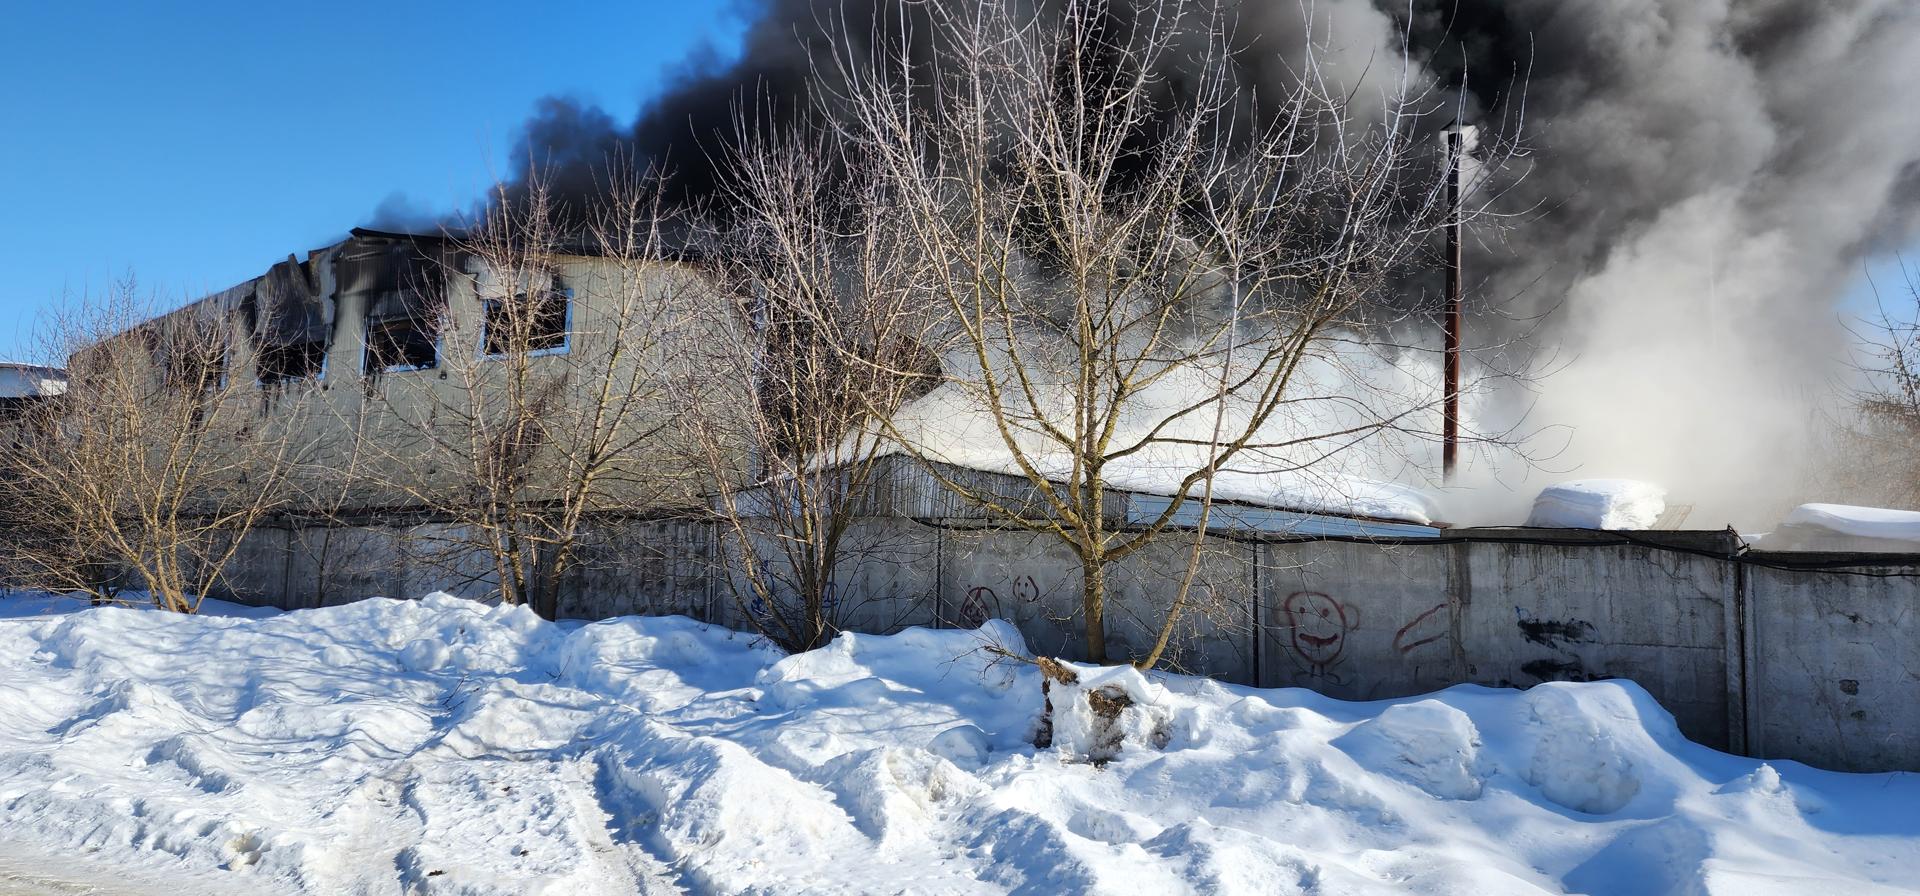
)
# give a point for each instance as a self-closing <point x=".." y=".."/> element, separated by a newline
<point x="195" y="144"/>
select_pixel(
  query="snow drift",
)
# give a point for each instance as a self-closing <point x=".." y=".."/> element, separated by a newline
<point x="442" y="746"/>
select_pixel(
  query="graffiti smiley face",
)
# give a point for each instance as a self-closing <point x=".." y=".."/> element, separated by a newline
<point x="975" y="610"/>
<point x="1318" y="626"/>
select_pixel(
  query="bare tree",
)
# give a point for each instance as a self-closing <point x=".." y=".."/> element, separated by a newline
<point x="1872" y="457"/>
<point x="1138" y="281"/>
<point x="151" y="464"/>
<point x="548" y="404"/>
<point x="329" y="517"/>
<point x="829" y="335"/>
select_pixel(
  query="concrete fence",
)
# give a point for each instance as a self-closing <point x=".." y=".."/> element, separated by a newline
<point x="1806" y="657"/>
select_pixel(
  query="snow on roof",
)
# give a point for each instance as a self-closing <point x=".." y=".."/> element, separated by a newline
<point x="952" y="426"/>
<point x="1305" y="491"/>
<point x="1302" y="490"/>
<point x="1859" y="522"/>
<point x="31" y="381"/>
<point x="1599" y="504"/>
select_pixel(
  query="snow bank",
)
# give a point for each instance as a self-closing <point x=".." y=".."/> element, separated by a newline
<point x="22" y="604"/>
<point x="441" y="746"/>
<point x="1599" y="504"/>
<point x="1425" y="743"/>
<point x="1839" y="527"/>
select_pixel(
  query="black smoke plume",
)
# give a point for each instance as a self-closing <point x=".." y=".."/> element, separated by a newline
<point x="1706" y="176"/>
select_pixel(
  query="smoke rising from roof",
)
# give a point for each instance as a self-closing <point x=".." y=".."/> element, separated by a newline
<point x="1710" y="176"/>
<point x="1707" y="177"/>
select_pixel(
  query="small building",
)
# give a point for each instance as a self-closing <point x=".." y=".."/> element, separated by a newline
<point x="21" y="385"/>
<point x="378" y="347"/>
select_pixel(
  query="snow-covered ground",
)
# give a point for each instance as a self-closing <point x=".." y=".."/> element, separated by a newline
<point x="441" y="746"/>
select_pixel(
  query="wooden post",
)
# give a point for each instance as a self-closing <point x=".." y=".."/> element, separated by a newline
<point x="1450" y="427"/>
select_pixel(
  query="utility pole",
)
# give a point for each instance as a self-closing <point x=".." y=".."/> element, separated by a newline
<point x="1460" y="139"/>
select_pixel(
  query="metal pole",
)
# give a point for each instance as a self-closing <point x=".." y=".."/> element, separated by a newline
<point x="1450" y="432"/>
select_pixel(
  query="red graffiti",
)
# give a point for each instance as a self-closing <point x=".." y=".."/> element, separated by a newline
<point x="973" y="610"/>
<point x="1318" y="625"/>
<point x="1406" y="639"/>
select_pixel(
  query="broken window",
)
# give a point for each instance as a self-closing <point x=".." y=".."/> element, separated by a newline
<point x="400" y="343"/>
<point x="218" y="381"/>
<point x="291" y="324"/>
<point x="292" y="361"/>
<point x="405" y="294"/>
<point x="536" y="323"/>
<point x="188" y="351"/>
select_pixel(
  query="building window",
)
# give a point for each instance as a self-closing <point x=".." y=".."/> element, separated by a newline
<point x="281" y="363"/>
<point x="221" y="363"/>
<point x="538" y="325"/>
<point x="190" y="355"/>
<point x="400" y="343"/>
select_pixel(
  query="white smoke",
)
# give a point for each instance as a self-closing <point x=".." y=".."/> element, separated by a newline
<point x="1710" y="176"/>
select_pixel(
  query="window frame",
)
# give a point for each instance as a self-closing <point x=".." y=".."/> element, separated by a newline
<point x="319" y="375"/>
<point x="566" y="330"/>
<point x="225" y="376"/>
<point x="366" y="348"/>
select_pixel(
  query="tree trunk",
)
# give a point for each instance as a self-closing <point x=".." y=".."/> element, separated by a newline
<point x="543" y="582"/>
<point x="1093" y="600"/>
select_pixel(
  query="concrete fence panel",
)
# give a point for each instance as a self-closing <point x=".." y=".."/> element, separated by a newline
<point x="258" y="572"/>
<point x="885" y="577"/>
<point x="1357" y="620"/>
<point x="1214" y="632"/>
<point x="1026" y="578"/>
<point x="1833" y="662"/>
<point x="1538" y="612"/>
<point x="641" y="567"/>
<point x="1787" y="656"/>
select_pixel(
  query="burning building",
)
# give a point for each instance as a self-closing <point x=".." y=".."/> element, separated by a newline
<point x="387" y="350"/>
